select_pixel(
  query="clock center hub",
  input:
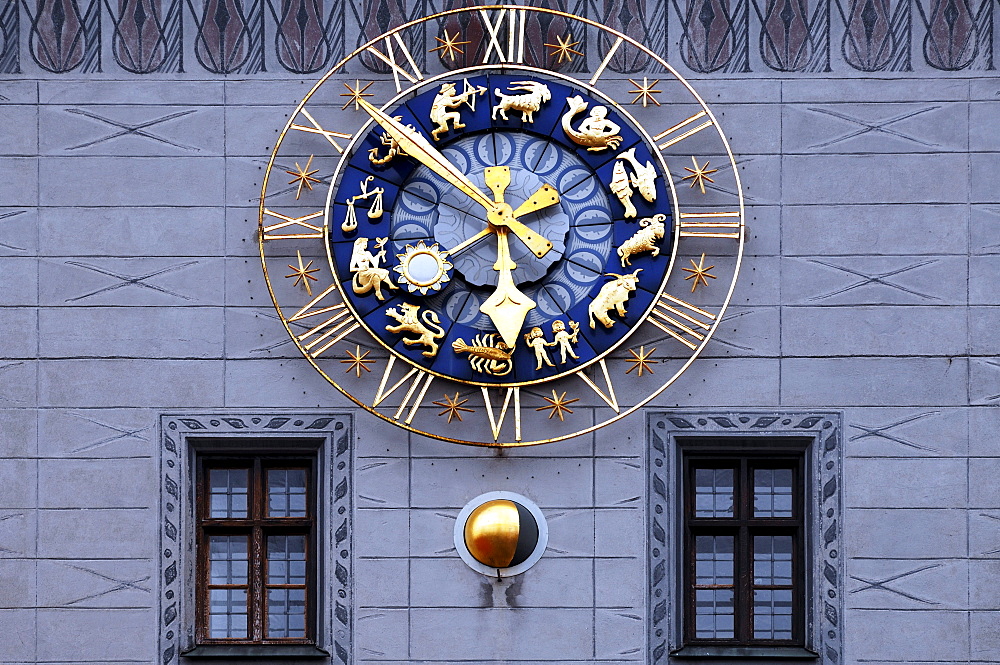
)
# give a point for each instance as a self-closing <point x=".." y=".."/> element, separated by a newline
<point x="430" y="207"/>
<point x="501" y="215"/>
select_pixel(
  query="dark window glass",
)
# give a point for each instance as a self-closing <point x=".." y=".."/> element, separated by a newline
<point x="286" y="493"/>
<point x="714" y="587"/>
<point x="228" y="489"/>
<point x="286" y="586"/>
<point x="772" y="492"/>
<point x="743" y="546"/>
<point x="256" y="566"/>
<point x="713" y="492"/>
<point x="227" y="580"/>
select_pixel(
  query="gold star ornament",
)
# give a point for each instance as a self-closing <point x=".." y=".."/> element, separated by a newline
<point x="644" y="92"/>
<point x="356" y="94"/>
<point x="450" y="46"/>
<point x="303" y="176"/>
<point x="558" y="404"/>
<point x="641" y="360"/>
<point x="302" y="273"/>
<point x="564" y="49"/>
<point x="699" y="174"/>
<point x="698" y="273"/>
<point x="453" y="407"/>
<point x="356" y="360"/>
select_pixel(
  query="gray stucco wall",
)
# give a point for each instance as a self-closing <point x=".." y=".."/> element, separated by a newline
<point x="131" y="288"/>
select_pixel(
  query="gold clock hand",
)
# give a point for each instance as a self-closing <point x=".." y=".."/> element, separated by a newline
<point x="543" y="198"/>
<point x="416" y="146"/>
<point x="497" y="179"/>
<point x="507" y="307"/>
<point x="469" y="241"/>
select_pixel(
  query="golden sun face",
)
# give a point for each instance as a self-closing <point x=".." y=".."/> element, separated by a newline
<point x="423" y="268"/>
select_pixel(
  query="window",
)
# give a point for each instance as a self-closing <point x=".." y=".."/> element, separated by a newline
<point x="256" y="550"/>
<point x="743" y="578"/>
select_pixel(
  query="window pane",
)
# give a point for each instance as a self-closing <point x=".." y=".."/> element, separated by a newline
<point x="227" y="556"/>
<point x="772" y="563"/>
<point x="286" y="560"/>
<point x="772" y="493"/>
<point x="714" y="587"/>
<point x="714" y="613"/>
<point x="772" y="614"/>
<point x="227" y="493"/>
<point x="713" y="492"/>
<point x="227" y="613"/>
<point x="286" y="493"/>
<point x="286" y="613"/>
<point x="772" y="560"/>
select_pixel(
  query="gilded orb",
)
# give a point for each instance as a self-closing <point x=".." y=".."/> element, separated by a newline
<point x="501" y="533"/>
<point x="492" y="531"/>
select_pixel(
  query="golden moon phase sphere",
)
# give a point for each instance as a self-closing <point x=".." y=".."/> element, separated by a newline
<point x="501" y="533"/>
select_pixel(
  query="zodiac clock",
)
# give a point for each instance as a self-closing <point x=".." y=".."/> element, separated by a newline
<point x="501" y="253"/>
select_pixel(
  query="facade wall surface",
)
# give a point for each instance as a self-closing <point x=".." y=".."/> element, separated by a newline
<point x="132" y="295"/>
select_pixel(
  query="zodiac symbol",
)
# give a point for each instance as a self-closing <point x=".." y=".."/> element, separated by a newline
<point x="643" y="240"/>
<point x="563" y="339"/>
<point x="426" y="327"/>
<point x="486" y="354"/>
<point x="596" y="131"/>
<point x="394" y="147"/>
<point x="644" y="179"/>
<point x="536" y="340"/>
<point x="448" y="99"/>
<point x="536" y="95"/>
<point x="365" y="266"/>
<point x="374" y="210"/>
<point x="612" y="296"/>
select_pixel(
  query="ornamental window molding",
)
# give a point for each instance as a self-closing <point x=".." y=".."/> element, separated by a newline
<point x="671" y="434"/>
<point x="181" y="437"/>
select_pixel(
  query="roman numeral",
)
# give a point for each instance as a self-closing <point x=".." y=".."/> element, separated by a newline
<point x="681" y="320"/>
<point x="677" y="133"/>
<point x="711" y="229"/>
<point x="496" y="422"/>
<point x="327" y="331"/>
<point x="609" y="395"/>
<point x="419" y="383"/>
<point x="292" y="223"/>
<point x="318" y="129"/>
<point x="607" y="58"/>
<point x="514" y="35"/>
<point x="392" y="58"/>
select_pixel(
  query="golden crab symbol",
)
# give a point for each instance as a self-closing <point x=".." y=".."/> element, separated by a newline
<point x="423" y="268"/>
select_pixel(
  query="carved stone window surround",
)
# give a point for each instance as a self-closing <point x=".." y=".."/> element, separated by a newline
<point x="667" y="432"/>
<point x="329" y="437"/>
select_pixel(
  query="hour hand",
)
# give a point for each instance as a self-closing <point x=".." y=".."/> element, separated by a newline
<point x="507" y="307"/>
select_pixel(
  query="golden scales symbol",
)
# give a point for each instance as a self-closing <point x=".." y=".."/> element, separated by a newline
<point x="375" y="210"/>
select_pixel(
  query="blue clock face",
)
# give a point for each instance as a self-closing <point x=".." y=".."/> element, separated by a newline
<point x="423" y="264"/>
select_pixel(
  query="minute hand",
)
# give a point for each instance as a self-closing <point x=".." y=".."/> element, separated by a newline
<point x="416" y="146"/>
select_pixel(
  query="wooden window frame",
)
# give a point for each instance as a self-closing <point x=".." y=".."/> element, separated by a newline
<point x="257" y="526"/>
<point x="743" y="526"/>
